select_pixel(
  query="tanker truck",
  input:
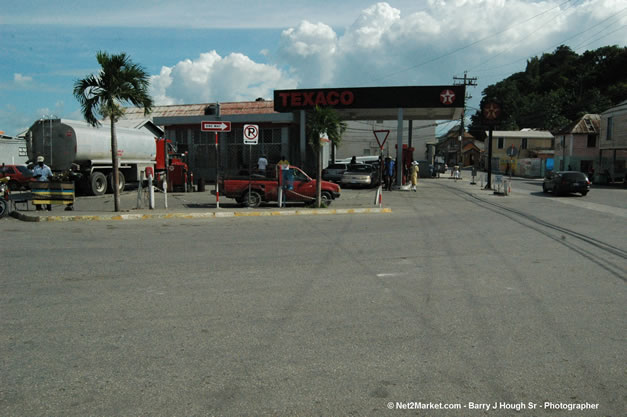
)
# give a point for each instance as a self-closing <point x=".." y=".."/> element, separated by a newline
<point x="77" y="146"/>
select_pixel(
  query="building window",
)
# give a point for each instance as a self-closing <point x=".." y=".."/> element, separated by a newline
<point x="610" y="127"/>
<point x="500" y="144"/>
<point x="523" y="144"/>
<point x="592" y="140"/>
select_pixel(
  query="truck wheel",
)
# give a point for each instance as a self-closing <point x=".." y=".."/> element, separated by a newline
<point x="97" y="183"/>
<point x="326" y="198"/>
<point x="252" y="199"/>
<point x="4" y="208"/>
<point x="121" y="182"/>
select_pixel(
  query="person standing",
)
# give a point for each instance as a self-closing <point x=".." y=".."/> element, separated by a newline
<point x="43" y="173"/>
<point x="414" y="170"/>
<point x="388" y="173"/>
<point x="284" y="167"/>
<point x="262" y="164"/>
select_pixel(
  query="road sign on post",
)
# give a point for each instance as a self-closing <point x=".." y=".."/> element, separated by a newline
<point x="491" y="115"/>
<point x="215" y="126"/>
<point x="251" y="137"/>
<point x="251" y="134"/>
<point x="381" y="136"/>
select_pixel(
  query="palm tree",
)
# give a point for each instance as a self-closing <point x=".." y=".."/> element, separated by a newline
<point x="320" y="121"/>
<point x="119" y="81"/>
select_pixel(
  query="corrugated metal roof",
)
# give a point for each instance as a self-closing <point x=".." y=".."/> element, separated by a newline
<point x="589" y="123"/>
<point x="244" y="107"/>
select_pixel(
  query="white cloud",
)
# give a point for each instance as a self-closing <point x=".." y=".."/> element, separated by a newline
<point x="372" y="25"/>
<point x="21" y="79"/>
<point x="310" y="50"/>
<point x="383" y="46"/>
<point x="211" y="77"/>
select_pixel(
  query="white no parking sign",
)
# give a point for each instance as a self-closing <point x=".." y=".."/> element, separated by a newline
<point x="251" y="134"/>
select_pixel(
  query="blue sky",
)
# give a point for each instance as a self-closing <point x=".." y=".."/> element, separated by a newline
<point x="198" y="51"/>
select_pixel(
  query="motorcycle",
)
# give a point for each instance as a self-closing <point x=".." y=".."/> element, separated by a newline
<point x="4" y="197"/>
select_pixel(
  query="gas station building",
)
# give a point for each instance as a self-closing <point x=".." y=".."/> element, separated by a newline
<point x="282" y="122"/>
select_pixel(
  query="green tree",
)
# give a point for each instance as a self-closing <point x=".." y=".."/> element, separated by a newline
<point x="320" y="121"/>
<point x="558" y="88"/>
<point x="119" y="81"/>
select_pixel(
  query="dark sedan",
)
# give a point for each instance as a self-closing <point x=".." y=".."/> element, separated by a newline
<point x="564" y="182"/>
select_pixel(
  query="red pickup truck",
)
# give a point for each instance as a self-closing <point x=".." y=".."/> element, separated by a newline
<point x="265" y="188"/>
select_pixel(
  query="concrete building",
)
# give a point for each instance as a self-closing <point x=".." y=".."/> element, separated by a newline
<point x="359" y="139"/>
<point x="282" y="124"/>
<point x="613" y="141"/>
<point x="182" y="125"/>
<point x="525" y="143"/>
<point x="12" y="150"/>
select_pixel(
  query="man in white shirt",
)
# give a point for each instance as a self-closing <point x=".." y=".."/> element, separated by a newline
<point x="262" y="164"/>
<point x="43" y="173"/>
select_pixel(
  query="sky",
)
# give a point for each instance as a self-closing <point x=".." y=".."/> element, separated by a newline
<point x="200" y="52"/>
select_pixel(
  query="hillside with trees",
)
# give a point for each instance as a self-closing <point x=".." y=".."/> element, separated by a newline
<point x="558" y="88"/>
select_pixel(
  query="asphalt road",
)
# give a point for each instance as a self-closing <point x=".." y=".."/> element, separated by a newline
<point x="613" y="196"/>
<point x="457" y="297"/>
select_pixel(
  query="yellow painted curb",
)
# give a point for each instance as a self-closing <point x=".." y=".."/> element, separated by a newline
<point x="205" y="215"/>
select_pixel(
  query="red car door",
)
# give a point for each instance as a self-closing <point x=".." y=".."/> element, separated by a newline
<point x="304" y="187"/>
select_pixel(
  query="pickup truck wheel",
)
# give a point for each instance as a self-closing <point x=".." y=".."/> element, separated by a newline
<point x="252" y="199"/>
<point x="97" y="183"/>
<point x="121" y="182"/>
<point x="4" y="208"/>
<point x="326" y="198"/>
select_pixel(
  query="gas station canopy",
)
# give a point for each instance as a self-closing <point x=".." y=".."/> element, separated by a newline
<point x="378" y="103"/>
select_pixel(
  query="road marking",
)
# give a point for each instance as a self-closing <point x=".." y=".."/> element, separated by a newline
<point x="390" y="274"/>
<point x="603" y="208"/>
<point x="593" y="206"/>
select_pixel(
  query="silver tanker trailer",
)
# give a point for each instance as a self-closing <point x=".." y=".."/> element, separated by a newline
<point x="76" y="145"/>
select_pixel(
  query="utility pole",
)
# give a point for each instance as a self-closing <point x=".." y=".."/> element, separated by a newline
<point x="471" y="81"/>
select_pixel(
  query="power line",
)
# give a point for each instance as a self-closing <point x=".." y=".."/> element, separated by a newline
<point x="533" y="34"/>
<point x="470" y="44"/>
<point x="596" y="39"/>
<point x="562" y="42"/>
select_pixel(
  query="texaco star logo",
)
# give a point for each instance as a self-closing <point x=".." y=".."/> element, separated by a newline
<point x="491" y="111"/>
<point x="447" y="97"/>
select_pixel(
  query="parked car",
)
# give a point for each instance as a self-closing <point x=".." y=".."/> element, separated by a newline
<point x="564" y="182"/>
<point x="360" y="175"/>
<point x="334" y="172"/>
<point x="19" y="175"/>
